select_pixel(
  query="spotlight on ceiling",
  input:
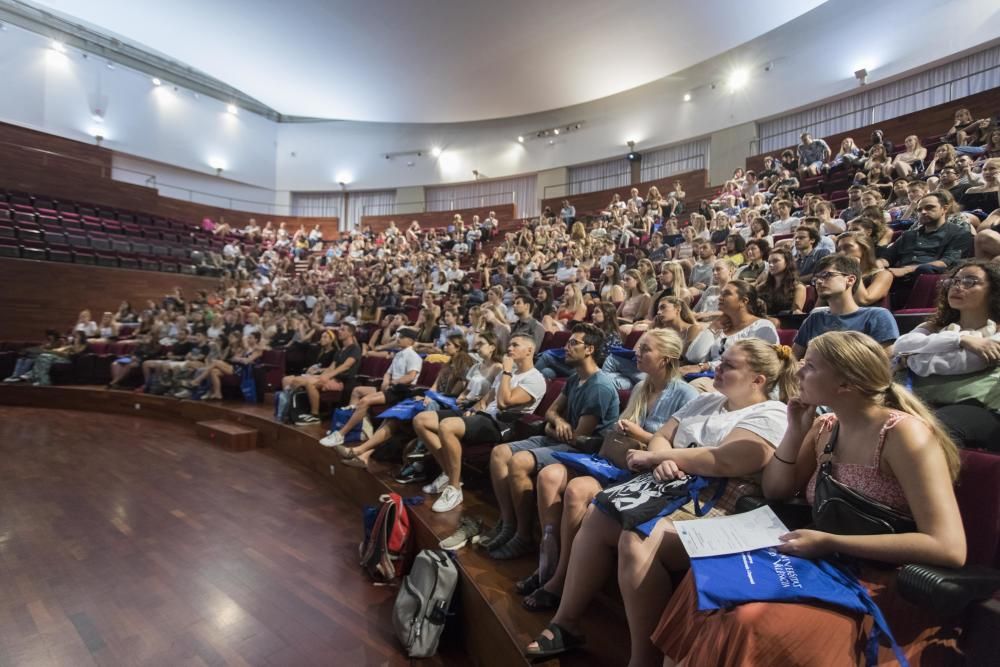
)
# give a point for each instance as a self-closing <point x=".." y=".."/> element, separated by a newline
<point x="556" y="131"/>
<point x="58" y="47"/>
<point x="110" y="65"/>
<point x="551" y="142"/>
<point x="631" y="144"/>
<point x="218" y="165"/>
<point x="687" y="97"/>
<point x="232" y="108"/>
<point x="343" y="178"/>
<point x="738" y="78"/>
<point x="520" y="139"/>
<point x="862" y="76"/>
<point x="157" y="82"/>
<point x="436" y="151"/>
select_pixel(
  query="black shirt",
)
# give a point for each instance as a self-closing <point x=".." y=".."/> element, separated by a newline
<point x="349" y="352"/>
<point x="948" y="243"/>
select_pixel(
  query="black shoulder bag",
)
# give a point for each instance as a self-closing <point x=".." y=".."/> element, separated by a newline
<point x="841" y="510"/>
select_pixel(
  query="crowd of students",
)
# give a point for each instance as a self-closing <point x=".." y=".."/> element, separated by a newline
<point x="712" y="391"/>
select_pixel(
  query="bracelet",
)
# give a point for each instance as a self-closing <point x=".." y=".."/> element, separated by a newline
<point x="787" y="463"/>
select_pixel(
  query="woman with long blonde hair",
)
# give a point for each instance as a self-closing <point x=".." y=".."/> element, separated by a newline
<point x="652" y="403"/>
<point x="572" y="309"/>
<point x="884" y="444"/>
<point x="636" y="303"/>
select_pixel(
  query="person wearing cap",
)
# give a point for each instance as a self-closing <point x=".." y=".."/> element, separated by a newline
<point x="396" y="385"/>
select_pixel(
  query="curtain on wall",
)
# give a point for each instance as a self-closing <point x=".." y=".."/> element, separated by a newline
<point x="972" y="74"/>
<point x="599" y="176"/>
<point x="675" y="160"/>
<point x="318" y="204"/>
<point x="373" y="202"/>
<point x="520" y="191"/>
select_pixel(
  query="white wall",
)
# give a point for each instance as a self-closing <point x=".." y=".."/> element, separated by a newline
<point x="810" y="63"/>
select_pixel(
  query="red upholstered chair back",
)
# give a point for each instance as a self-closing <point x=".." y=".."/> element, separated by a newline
<point x="978" y="494"/>
<point x="552" y="391"/>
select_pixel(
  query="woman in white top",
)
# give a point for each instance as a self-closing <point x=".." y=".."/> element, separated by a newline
<point x="86" y="324"/>
<point x="742" y="318"/>
<point x="730" y="434"/>
<point x="961" y="339"/>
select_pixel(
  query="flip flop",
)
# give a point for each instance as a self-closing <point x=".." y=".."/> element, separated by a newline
<point x="562" y="641"/>
<point x="528" y="585"/>
<point x="541" y="600"/>
<point x="355" y="462"/>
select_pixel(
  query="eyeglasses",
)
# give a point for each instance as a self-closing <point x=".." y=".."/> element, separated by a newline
<point x="966" y="282"/>
<point x="826" y="275"/>
<point x="572" y="342"/>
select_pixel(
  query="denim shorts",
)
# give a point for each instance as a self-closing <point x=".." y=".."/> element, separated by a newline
<point x="542" y="447"/>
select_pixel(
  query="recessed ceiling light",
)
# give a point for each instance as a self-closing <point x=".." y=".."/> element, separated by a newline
<point x="555" y="131"/>
<point x="156" y="81"/>
<point x="687" y="97"/>
<point x="435" y="151"/>
<point x="551" y="142"/>
<point x="520" y="139"/>
<point x="738" y="78"/>
<point x="231" y="108"/>
<point x="59" y="47"/>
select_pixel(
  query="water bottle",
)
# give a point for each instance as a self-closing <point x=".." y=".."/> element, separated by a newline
<point x="548" y="556"/>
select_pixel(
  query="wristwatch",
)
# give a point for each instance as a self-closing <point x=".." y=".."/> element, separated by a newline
<point x="508" y="373"/>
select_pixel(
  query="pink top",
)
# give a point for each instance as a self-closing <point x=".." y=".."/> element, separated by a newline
<point x="866" y="479"/>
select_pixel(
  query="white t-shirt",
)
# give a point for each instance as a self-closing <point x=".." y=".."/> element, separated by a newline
<point x="760" y="328"/>
<point x="786" y="226"/>
<point x="705" y="422"/>
<point x="531" y="381"/>
<point x="403" y="362"/>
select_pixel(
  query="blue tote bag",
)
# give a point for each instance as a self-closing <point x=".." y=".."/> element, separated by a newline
<point x="405" y="410"/>
<point x="339" y="418"/>
<point x="442" y="400"/>
<point x="601" y="469"/>
<point x="766" y="575"/>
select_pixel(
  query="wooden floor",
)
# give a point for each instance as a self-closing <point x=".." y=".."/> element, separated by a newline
<point x="126" y="542"/>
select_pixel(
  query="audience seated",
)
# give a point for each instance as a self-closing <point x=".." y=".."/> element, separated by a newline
<point x="885" y="445"/>
<point x="335" y="370"/>
<point x="730" y="434"/>
<point x="587" y="406"/>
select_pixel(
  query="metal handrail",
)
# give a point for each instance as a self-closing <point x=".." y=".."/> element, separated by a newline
<point x="510" y="197"/>
<point x="872" y="107"/>
<point x="628" y="173"/>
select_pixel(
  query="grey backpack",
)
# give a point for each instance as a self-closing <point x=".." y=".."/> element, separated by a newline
<point x="422" y="602"/>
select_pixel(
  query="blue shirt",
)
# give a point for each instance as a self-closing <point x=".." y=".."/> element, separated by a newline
<point x="597" y="397"/>
<point x="876" y="322"/>
<point x="673" y="397"/>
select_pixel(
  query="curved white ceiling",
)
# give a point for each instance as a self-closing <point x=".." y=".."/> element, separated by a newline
<point x="442" y="61"/>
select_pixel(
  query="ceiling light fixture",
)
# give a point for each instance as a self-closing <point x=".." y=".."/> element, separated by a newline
<point x="110" y="65"/>
<point x="738" y="78"/>
<point x="232" y="108"/>
<point x="436" y="151"/>
<point x="520" y="139"/>
<point x="862" y="76"/>
<point x="687" y="97"/>
<point x="556" y="131"/>
<point x="58" y="47"/>
<point x="156" y="81"/>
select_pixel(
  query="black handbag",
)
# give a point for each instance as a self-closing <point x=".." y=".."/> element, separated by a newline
<point x="841" y="510"/>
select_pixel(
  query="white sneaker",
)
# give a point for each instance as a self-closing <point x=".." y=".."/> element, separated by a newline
<point x="450" y="499"/>
<point x="366" y="429"/>
<point x="435" y="487"/>
<point x="332" y="440"/>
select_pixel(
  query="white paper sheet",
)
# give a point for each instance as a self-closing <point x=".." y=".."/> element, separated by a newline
<point x="731" y="534"/>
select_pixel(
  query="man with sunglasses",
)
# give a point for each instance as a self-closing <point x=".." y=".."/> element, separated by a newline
<point x="836" y="279"/>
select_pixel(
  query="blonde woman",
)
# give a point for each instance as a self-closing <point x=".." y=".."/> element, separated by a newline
<point x="944" y="156"/>
<point x="700" y="226"/>
<point x="888" y="447"/>
<point x="652" y="403"/>
<point x="911" y="160"/>
<point x="848" y="153"/>
<point x="573" y="309"/>
<point x="674" y="286"/>
<point x="647" y="274"/>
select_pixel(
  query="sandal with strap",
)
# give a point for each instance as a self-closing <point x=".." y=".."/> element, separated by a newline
<point x="528" y="585"/>
<point x="541" y="600"/>
<point x="562" y="641"/>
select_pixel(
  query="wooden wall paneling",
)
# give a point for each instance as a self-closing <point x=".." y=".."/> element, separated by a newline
<point x="44" y="164"/>
<point x="694" y="184"/>
<point x="926" y="124"/>
<point x="49" y="295"/>
<point x="439" y="219"/>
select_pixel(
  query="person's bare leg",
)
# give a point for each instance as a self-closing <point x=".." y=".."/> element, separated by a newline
<point x="451" y="432"/>
<point x="499" y="476"/>
<point x="579" y="493"/>
<point x="215" y="376"/>
<point x="521" y="470"/>
<point x="644" y="580"/>
<point x="368" y="399"/>
<point x="381" y="435"/>
<point x="552" y="480"/>
<point x="590" y="563"/>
